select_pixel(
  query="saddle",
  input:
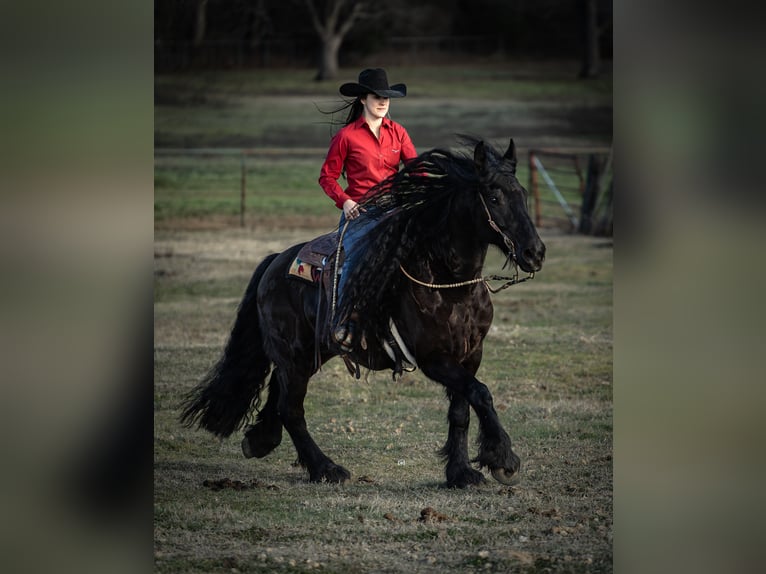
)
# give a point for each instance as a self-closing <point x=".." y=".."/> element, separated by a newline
<point x="316" y="263"/>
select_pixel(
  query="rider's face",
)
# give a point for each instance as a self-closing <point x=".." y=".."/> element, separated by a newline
<point x="375" y="106"/>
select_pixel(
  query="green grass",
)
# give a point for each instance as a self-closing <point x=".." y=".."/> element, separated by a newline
<point x="520" y="79"/>
<point x="282" y="185"/>
<point x="211" y="185"/>
<point x="265" y="109"/>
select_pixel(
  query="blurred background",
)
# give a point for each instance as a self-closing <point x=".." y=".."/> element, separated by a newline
<point x="89" y="93"/>
<point x="326" y="34"/>
<point x="245" y="90"/>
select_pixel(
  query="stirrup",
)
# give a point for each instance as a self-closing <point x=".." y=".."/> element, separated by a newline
<point x="401" y="357"/>
<point x="401" y="363"/>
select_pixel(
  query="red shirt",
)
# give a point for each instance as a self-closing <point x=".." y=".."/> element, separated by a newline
<point x="367" y="160"/>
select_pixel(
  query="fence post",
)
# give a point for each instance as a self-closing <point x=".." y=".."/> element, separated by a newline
<point x="533" y="187"/>
<point x="589" y="197"/>
<point x="242" y="192"/>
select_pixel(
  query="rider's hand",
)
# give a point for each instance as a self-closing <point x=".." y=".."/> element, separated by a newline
<point x="352" y="209"/>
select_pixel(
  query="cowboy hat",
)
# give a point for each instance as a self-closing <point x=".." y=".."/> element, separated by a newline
<point x="373" y="80"/>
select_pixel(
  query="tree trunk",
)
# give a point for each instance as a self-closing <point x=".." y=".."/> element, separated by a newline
<point x="591" y="57"/>
<point x="328" y="64"/>
<point x="331" y="27"/>
<point x="200" y="23"/>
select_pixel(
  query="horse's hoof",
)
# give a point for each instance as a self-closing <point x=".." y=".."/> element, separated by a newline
<point x="338" y="475"/>
<point x="332" y="473"/>
<point x="259" y="442"/>
<point x="504" y="476"/>
<point x="464" y="478"/>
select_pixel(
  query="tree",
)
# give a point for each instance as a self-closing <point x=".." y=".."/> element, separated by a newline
<point x="200" y="24"/>
<point x="591" y="32"/>
<point x="332" y="21"/>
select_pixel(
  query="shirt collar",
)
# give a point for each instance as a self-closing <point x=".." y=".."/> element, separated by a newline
<point x="360" y="122"/>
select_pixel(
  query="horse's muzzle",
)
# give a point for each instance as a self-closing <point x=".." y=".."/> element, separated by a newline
<point x="531" y="258"/>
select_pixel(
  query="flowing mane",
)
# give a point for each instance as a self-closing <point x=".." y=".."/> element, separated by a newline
<point x="412" y="210"/>
<point x="429" y="216"/>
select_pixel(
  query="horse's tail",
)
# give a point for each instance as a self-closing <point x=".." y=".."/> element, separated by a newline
<point x="231" y="389"/>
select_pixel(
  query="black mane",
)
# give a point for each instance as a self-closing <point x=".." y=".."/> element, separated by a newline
<point x="431" y="220"/>
<point x="412" y="211"/>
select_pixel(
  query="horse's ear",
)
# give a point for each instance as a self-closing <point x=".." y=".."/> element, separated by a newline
<point x="480" y="157"/>
<point x="510" y="155"/>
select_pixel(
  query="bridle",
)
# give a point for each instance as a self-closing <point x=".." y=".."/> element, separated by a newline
<point x="511" y="259"/>
<point x="507" y="240"/>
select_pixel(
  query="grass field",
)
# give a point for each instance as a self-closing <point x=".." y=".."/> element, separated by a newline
<point x="275" y="116"/>
<point x="207" y="187"/>
<point x="547" y="360"/>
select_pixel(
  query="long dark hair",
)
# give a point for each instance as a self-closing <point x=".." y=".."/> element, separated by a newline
<point x="352" y="108"/>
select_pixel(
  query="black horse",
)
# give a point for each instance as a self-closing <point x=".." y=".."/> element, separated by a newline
<point x="419" y="268"/>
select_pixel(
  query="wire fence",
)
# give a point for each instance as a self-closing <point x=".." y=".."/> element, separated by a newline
<point x="570" y="189"/>
<point x="237" y="185"/>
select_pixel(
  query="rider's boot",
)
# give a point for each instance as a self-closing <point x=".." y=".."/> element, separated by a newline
<point x="345" y="333"/>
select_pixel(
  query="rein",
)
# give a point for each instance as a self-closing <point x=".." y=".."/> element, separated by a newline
<point x="513" y="280"/>
<point x="335" y="268"/>
<point x="508" y="281"/>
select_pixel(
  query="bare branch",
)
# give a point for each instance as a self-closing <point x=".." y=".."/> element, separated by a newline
<point x="314" y="17"/>
<point x="357" y="13"/>
<point x="332" y="22"/>
<point x="334" y="14"/>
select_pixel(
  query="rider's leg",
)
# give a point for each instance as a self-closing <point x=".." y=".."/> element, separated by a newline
<point x="343" y="327"/>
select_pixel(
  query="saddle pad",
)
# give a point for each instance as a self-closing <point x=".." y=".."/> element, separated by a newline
<point x="305" y="271"/>
<point x="316" y="251"/>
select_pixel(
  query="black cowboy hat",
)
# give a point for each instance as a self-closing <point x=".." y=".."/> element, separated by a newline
<point x="373" y="80"/>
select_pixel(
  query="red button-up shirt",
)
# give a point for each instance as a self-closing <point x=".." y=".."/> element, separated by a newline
<point x="367" y="159"/>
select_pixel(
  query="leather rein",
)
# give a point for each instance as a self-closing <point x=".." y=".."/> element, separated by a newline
<point x="512" y="280"/>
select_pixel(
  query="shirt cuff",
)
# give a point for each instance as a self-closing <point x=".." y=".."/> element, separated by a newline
<point x="341" y="200"/>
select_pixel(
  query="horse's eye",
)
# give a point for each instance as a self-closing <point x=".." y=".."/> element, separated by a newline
<point x="494" y="199"/>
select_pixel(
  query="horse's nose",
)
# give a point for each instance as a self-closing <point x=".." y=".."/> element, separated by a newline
<point x="534" y="256"/>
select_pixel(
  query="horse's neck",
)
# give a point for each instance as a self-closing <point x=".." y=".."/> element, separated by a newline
<point x="458" y="258"/>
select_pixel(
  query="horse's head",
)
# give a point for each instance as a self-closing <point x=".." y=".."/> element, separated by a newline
<point x="503" y="202"/>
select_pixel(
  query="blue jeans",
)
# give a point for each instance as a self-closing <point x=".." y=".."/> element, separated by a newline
<point x="356" y="228"/>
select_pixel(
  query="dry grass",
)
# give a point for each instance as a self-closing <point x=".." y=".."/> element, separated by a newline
<point x="548" y="361"/>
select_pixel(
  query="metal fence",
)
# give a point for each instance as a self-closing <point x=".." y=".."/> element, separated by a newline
<point x="572" y="189"/>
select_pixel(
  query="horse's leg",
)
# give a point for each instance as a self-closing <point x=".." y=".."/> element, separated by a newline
<point x="455" y="451"/>
<point x="495" y="450"/>
<point x="287" y="311"/>
<point x="319" y="465"/>
<point x="266" y="434"/>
